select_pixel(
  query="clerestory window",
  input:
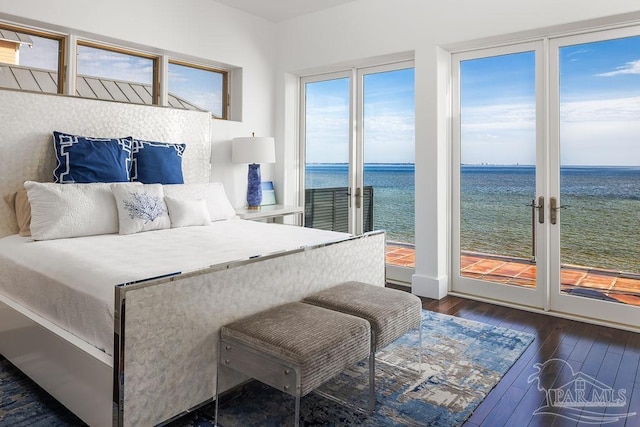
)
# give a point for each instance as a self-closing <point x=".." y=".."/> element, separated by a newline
<point x="197" y="87"/>
<point x="31" y="60"/>
<point x="114" y="74"/>
<point x="34" y="60"/>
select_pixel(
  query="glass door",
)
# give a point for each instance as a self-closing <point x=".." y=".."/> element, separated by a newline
<point x="596" y="162"/>
<point x="326" y="129"/>
<point x="499" y="180"/>
<point x="358" y="145"/>
<point x="388" y="162"/>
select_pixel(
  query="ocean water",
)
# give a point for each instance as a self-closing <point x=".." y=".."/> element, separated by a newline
<point x="393" y="194"/>
<point x="600" y="226"/>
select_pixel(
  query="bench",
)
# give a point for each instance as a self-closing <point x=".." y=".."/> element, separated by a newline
<point x="390" y="312"/>
<point x="295" y="348"/>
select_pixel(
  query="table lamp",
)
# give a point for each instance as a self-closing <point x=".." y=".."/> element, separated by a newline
<point x="254" y="150"/>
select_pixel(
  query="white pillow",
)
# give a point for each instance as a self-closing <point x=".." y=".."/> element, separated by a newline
<point x="187" y="212"/>
<point x="140" y="208"/>
<point x="212" y="192"/>
<point x="59" y="211"/>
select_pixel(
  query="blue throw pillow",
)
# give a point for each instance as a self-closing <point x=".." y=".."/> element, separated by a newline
<point x="82" y="159"/>
<point x="157" y="162"/>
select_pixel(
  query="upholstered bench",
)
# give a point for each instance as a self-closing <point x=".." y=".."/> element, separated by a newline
<point x="390" y="312"/>
<point x="295" y="348"/>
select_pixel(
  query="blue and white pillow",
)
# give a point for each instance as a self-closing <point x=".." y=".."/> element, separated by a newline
<point x="157" y="162"/>
<point x="140" y="208"/>
<point x="82" y="159"/>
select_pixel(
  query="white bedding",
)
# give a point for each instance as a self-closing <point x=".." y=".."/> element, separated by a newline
<point x="71" y="281"/>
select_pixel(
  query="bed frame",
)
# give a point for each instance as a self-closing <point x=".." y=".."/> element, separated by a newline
<point x="165" y="329"/>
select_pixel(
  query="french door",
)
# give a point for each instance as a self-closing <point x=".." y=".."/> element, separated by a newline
<point x="357" y="153"/>
<point x="546" y="177"/>
<point x="595" y="101"/>
<point x="500" y="236"/>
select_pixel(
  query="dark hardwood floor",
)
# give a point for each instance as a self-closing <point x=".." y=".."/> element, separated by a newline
<point x="609" y="355"/>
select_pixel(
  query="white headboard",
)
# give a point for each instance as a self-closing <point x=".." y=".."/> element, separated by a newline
<point x="27" y="121"/>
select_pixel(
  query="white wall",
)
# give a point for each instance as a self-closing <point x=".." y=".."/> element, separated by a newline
<point x="350" y="34"/>
<point x="201" y="29"/>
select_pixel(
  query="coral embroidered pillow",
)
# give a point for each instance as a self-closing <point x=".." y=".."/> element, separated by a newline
<point x="140" y="208"/>
<point x="82" y="159"/>
<point x="157" y="162"/>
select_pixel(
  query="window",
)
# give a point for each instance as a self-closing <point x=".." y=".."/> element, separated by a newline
<point x="195" y="87"/>
<point x="30" y="60"/>
<point x="34" y="60"/>
<point x="116" y="75"/>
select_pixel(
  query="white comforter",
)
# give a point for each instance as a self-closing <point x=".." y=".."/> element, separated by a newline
<point x="71" y="281"/>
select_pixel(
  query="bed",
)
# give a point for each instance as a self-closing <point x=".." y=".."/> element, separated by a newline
<point x="150" y="352"/>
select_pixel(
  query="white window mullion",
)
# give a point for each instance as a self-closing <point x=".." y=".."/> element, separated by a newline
<point x="163" y="84"/>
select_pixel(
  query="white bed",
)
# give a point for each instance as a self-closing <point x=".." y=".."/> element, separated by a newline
<point x="146" y="350"/>
<point x="71" y="281"/>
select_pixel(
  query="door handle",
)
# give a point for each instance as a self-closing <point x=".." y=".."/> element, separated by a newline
<point x="553" y="210"/>
<point x="540" y="207"/>
<point x="358" y="198"/>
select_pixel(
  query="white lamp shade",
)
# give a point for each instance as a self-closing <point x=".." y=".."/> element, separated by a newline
<point x="253" y="149"/>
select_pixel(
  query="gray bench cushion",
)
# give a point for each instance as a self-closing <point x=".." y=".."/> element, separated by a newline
<point x="321" y="342"/>
<point x="390" y="312"/>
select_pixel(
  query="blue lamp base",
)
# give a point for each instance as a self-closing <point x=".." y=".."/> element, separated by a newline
<point x="254" y="187"/>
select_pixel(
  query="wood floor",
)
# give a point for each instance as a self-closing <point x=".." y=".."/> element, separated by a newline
<point x="609" y="355"/>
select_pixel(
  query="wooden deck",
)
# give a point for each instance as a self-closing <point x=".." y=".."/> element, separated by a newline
<point x="521" y="272"/>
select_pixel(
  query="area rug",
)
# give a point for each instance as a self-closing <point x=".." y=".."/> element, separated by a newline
<point x="462" y="361"/>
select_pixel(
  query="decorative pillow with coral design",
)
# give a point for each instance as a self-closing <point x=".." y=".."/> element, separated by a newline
<point x="140" y="208"/>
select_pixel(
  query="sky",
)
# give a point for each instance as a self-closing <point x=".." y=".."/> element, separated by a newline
<point x="599" y="113"/>
<point x="599" y="106"/>
<point x="389" y="119"/>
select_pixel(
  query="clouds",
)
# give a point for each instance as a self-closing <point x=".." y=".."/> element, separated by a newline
<point x="43" y="54"/>
<point x="388" y="134"/>
<point x="114" y="65"/>
<point x="200" y="87"/>
<point x="389" y="137"/>
<point x="327" y="129"/>
<point x="600" y="143"/>
<point x="592" y="132"/>
<point x="499" y="134"/>
<point x="601" y="110"/>
<point x="388" y="124"/>
<point x="632" y="67"/>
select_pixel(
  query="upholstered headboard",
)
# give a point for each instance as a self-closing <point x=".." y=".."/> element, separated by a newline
<point x="27" y="121"/>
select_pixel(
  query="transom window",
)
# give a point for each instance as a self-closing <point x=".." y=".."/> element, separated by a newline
<point x="33" y="60"/>
<point x="30" y="60"/>
<point x="115" y="75"/>
<point x="198" y="87"/>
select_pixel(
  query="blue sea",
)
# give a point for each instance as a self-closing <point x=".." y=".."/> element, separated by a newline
<point x="600" y="224"/>
<point x="393" y="194"/>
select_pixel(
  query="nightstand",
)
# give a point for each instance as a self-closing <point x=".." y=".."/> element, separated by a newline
<point x="270" y="212"/>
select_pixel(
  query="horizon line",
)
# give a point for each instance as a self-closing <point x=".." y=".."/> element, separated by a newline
<point x="477" y="164"/>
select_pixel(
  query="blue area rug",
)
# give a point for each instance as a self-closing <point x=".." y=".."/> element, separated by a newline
<point x="462" y="361"/>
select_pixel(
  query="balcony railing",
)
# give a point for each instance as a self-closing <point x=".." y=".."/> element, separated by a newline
<point x="328" y="208"/>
